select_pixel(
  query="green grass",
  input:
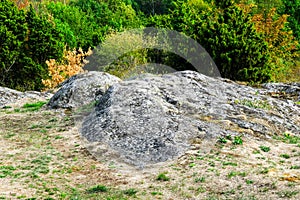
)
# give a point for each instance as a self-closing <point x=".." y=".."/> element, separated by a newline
<point x="27" y="107"/>
<point x="230" y="163"/>
<point x="234" y="173"/>
<point x="287" y="194"/>
<point x="97" y="189"/>
<point x="295" y="167"/>
<point x="33" y="106"/>
<point x="130" y="192"/>
<point x="264" y="171"/>
<point x="237" y="140"/>
<point x="287" y="138"/>
<point x="286" y="156"/>
<point x="6" y="171"/>
<point x="254" y="103"/>
<point x="51" y="171"/>
<point x="200" y="179"/>
<point x="222" y="140"/>
<point x="162" y="177"/>
<point x="265" y="148"/>
<point x="155" y="193"/>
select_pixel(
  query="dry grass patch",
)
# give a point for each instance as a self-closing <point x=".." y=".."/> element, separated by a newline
<point x="43" y="157"/>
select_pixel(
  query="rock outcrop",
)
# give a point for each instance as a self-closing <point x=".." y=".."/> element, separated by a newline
<point x="82" y="89"/>
<point x="9" y="96"/>
<point x="153" y="119"/>
<point x="283" y="90"/>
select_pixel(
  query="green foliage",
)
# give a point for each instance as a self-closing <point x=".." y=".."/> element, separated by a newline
<point x="118" y="55"/>
<point x="292" y="8"/>
<point x="237" y="49"/>
<point x="281" y="42"/>
<point x="154" y="7"/>
<point x="226" y="33"/>
<point x="69" y="38"/>
<point x="264" y="6"/>
<point x="13" y="32"/>
<point x="80" y="29"/>
<point x="30" y="40"/>
<point x="114" y="14"/>
<point x="85" y="23"/>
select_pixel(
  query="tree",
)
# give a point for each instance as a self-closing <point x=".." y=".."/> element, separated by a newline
<point x="238" y="50"/>
<point x="82" y="30"/>
<point x="27" y="41"/>
<point x="292" y="8"/>
<point x="153" y="7"/>
<point x="227" y="34"/>
<point x="13" y="32"/>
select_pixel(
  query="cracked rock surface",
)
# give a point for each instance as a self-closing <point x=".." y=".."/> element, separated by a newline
<point x="153" y="119"/>
<point x="82" y="89"/>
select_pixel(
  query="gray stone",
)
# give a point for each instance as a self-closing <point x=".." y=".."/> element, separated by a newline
<point x="153" y="118"/>
<point x="82" y="89"/>
<point x="283" y="90"/>
<point x="10" y="96"/>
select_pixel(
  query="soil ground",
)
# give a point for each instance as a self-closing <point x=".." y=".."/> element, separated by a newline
<point x="43" y="157"/>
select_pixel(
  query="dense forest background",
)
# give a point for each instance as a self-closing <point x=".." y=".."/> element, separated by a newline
<point x="44" y="42"/>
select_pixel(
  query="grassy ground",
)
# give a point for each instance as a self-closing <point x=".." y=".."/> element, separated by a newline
<point x="42" y="157"/>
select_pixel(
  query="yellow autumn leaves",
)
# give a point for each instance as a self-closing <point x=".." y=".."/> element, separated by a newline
<point x="72" y="64"/>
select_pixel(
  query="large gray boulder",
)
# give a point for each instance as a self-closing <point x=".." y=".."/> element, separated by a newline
<point x="153" y="119"/>
<point x="82" y="89"/>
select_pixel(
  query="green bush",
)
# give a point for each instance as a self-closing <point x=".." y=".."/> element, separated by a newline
<point x="13" y="32"/>
<point x="227" y="34"/>
<point x="292" y="8"/>
<point x="152" y="7"/>
<point x="28" y="41"/>
<point x="79" y="27"/>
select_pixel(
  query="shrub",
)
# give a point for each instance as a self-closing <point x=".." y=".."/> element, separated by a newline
<point x="121" y="53"/>
<point x="292" y="8"/>
<point x="72" y="64"/>
<point x="282" y="44"/>
<point x="152" y="7"/>
<point x="27" y="41"/>
<point x="78" y="24"/>
<point x="227" y="34"/>
<point x="237" y="49"/>
<point x="13" y="31"/>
